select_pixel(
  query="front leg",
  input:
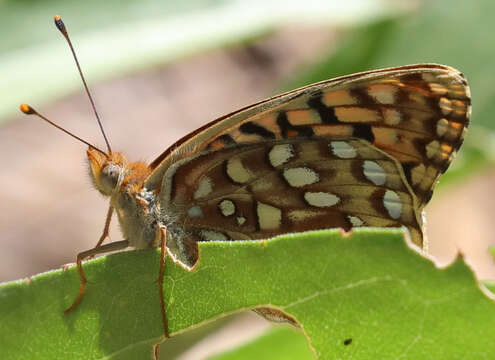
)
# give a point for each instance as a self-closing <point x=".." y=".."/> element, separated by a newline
<point x="99" y="249"/>
<point x="106" y="229"/>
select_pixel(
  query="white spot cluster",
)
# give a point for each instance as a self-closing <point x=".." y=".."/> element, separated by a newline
<point x="321" y="199"/>
<point x="393" y="204"/>
<point x="300" y="176"/>
<point x="280" y="154"/>
<point x="374" y="172"/>
<point x="343" y="149"/>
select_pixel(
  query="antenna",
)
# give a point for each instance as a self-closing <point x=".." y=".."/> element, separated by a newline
<point x="61" y="26"/>
<point x="28" y="110"/>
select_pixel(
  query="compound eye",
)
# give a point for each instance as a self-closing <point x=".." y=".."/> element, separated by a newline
<point x="110" y="176"/>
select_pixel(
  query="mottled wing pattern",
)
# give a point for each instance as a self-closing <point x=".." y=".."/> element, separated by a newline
<point x="360" y="150"/>
<point x="274" y="187"/>
<point x="417" y="113"/>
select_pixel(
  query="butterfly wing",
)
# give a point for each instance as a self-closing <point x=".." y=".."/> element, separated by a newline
<point x="416" y="113"/>
<point x="256" y="191"/>
<point x="414" y="117"/>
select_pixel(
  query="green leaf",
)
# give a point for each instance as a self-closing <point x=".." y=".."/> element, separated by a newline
<point x="368" y="287"/>
<point x="288" y="343"/>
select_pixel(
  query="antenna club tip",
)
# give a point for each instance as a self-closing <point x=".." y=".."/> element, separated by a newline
<point x="59" y="24"/>
<point x="26" y="109"/>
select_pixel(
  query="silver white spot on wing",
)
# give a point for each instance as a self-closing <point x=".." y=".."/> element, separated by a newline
<point x="343" y="150"/>
<point x="236" y="171"/>
<point x="205" y="187"/>
<point x="300" y="176"/>
<point x="321" y="199"/>
<point x="269" y="217"/>
<point x="393" y="204"/>
<point x="374" y="172"/>
<point x="280" y="154"/>
<point x="210" y="235"/>
<point x="227" y="207"/>
<point x="355" y="221"/>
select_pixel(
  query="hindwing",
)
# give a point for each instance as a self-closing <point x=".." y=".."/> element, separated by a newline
<point x="256" y="191"/>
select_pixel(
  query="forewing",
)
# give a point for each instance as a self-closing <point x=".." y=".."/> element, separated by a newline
<point x="418" y="114"/>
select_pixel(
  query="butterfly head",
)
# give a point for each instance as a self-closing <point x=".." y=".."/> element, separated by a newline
<point x="107" y="171"/>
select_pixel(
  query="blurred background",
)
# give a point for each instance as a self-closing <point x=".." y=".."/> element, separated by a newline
<point x="158" y="70"/>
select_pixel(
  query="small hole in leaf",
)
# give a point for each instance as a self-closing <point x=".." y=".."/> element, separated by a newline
<point x="347" y="341"/>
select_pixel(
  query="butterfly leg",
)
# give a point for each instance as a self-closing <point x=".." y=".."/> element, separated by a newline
<point x="162" y="235"/>
<point x="117" y="245"/>
<point x="106" y="229"/>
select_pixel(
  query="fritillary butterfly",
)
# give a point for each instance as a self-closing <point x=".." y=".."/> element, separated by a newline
<point x="360" y="150"/>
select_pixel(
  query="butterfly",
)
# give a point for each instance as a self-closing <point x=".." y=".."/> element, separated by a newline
<point x="359" y="150"/>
